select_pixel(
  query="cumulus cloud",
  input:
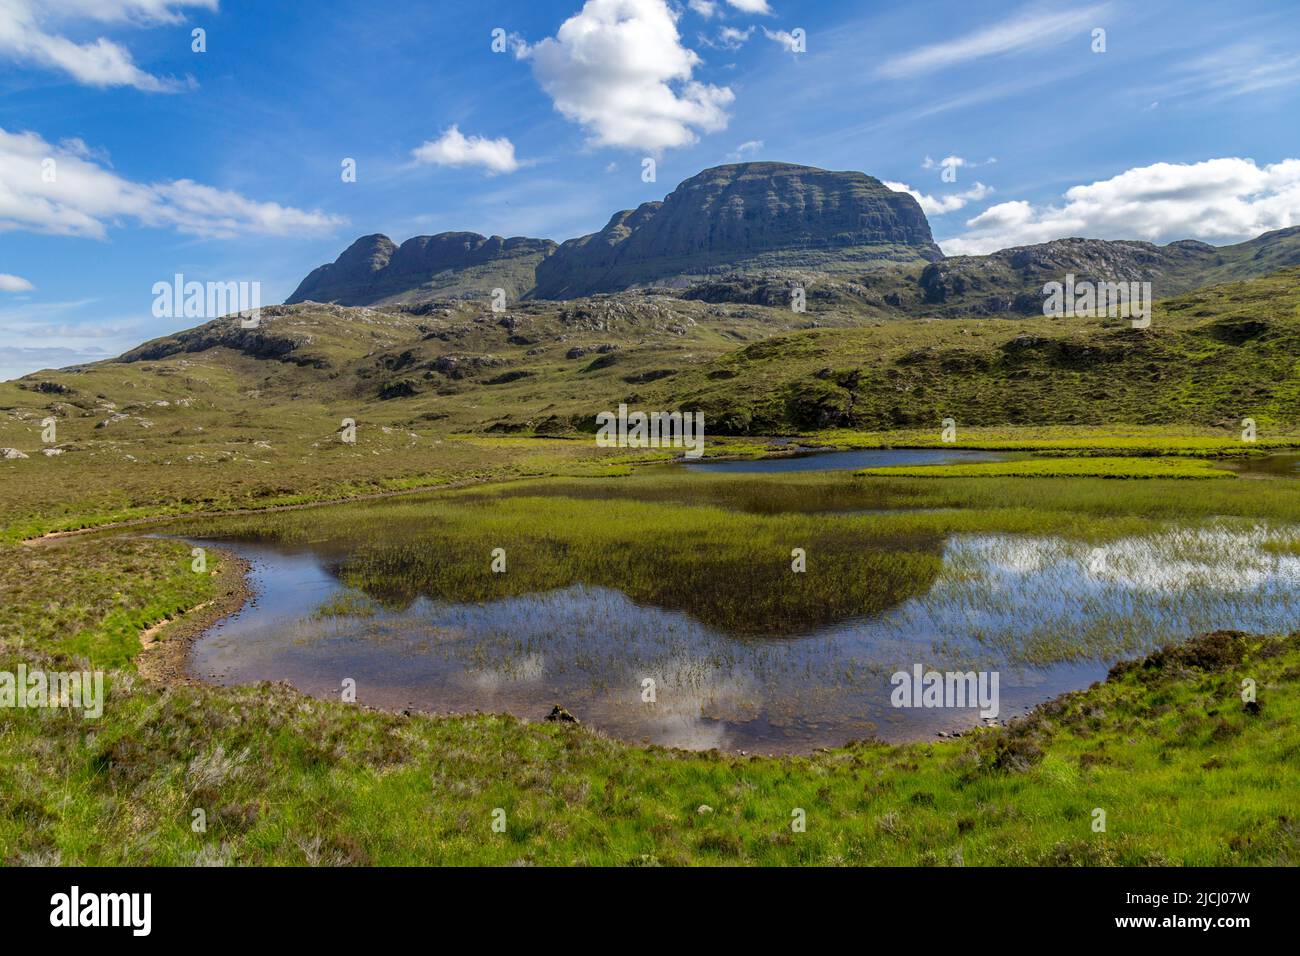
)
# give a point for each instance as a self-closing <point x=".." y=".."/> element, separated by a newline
<point x="751" y="6"/>
<point x="938" y="205"/>
<point x="66" y="190"/>
<point x="29" y="33"/>
<point x="454" y="148"/>
<point x="618" y="67"/>
<point x="1217" y="200"/>
<point x="12" y="283"/>
<point x="705" y="8"/>
<point x="1029" y="27"/>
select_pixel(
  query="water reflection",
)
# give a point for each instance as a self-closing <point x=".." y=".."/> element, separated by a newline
<point x="1047" y="613"/>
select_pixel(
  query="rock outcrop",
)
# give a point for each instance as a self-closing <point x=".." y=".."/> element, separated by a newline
<point x="748" y="216"/>
<point x="376" y="271"/>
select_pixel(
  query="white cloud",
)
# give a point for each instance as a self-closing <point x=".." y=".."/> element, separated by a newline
<point x="454" y="148"/>
<point x="28" y="34"/>
<point x="745" y="149"/>
<point x="787" y="40"/>
<point x="84" y="198"/>
<point x="939" y="205"/>
<point x="729" y="38"/>
<point x="955" y="163"/>
<point x="751" y="6"/>
<point x="619" y="68"/>
<point x="1239" y="70"/>
<point x="948" y="162"/>
<point x="1217" y="200"/>
<point x="705" y="8"/>
<point x="12" y="283"/>
<point x="1030" y="27"/>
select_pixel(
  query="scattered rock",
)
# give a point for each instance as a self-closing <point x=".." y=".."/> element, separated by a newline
<point x="115" y="417"/>
<point x="561" y="715"/>
<point x="11" y="453"/>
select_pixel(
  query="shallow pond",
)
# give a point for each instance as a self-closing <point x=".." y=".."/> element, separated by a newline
<point x="1268" y="466"/>
<point x="845" y="460"/>
<point x="1046" y="614"/>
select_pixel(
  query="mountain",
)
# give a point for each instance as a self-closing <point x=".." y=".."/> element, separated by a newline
<point x="744" y="217"/>
<point x="750" y="217"/>
<point x="742" y="233"/>
<point x="376" y="271"/>
<point x="1009" y="283"/>
<point x="1011" y="280"/>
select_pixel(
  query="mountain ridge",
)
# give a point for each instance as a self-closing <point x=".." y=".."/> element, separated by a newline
<point x="746" y="232"/>
<point x="376" y="271"/>
<point x="747" y="216"/>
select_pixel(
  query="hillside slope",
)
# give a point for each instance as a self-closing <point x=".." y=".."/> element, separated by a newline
<point x="1209" y="358"/>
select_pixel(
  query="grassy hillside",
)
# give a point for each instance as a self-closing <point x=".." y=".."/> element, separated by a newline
<point x="222" y="417"/>
<point x="1209" y="358"/>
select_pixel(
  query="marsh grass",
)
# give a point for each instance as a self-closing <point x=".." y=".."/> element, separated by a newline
<point x="718" y="548"/>
<point x="92" y="599"/>
<point x="729" y="570"/>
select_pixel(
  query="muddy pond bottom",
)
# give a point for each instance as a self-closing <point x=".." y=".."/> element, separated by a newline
<point x="1044" y="615"/>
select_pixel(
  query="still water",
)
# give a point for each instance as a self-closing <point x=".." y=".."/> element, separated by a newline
<point x="1047" y="614"/>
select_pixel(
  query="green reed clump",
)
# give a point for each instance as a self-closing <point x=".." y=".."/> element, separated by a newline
<point x="727" y="569"/>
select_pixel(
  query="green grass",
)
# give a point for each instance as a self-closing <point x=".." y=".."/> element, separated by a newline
<point x="1081" y="507"/>
<point x="729" y="569"/>
<point x="283" y="779"/>
<point x="94" y="598"/>
<point x="1209" y="359"/>
<point x="1184" y="773"/>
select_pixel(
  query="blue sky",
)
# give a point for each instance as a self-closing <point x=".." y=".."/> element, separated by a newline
<point x="225" y="165"/>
